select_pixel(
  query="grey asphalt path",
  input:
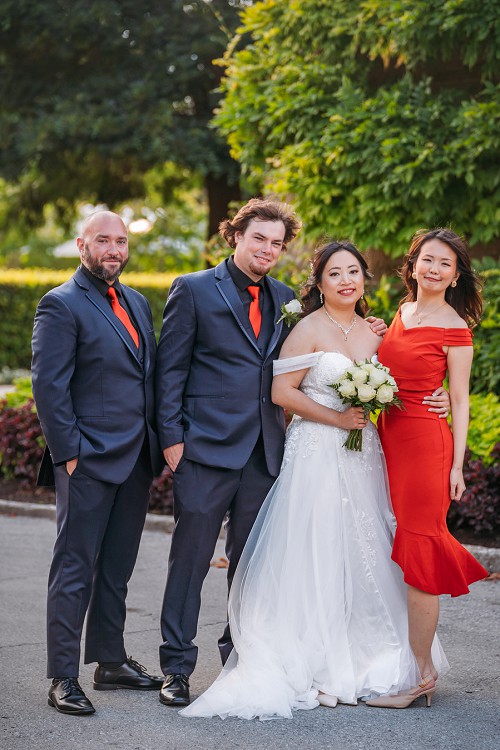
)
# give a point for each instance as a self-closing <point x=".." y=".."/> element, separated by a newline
<point x="464" y="714"/>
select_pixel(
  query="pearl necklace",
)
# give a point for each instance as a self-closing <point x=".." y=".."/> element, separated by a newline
<point x="345" y="331"/>
<point x="422" y="315"/>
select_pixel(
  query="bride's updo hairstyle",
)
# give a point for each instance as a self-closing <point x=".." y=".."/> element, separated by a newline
<point x="310" y="293"/>
<point x="465" y="297"/>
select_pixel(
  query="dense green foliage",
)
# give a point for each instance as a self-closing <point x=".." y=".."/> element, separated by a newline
<point x="376" y="116"/>
<point x="93" y="95"/>
<point x="485" y="376"/>
<point x="484" y="425"/>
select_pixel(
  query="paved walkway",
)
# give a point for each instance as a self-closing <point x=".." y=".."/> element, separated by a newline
<point x="464" y="713"/>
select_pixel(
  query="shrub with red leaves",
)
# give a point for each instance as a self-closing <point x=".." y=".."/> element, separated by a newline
<point x="162" y="500"/>
<point x="21" y="443"/>
<point x="479" y="508"/>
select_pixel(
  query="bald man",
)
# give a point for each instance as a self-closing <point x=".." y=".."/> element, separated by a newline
<point x="93" y="365"/>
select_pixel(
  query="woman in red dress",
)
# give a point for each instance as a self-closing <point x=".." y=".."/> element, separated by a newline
<point x="429" y="337"/>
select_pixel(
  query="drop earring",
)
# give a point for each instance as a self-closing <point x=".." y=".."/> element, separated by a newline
<point x="321" y="298"/>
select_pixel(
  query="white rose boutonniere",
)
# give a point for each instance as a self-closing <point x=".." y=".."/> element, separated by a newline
<point x="291" y="312"/>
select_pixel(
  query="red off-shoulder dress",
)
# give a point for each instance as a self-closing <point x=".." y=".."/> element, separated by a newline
<point x="418" y="448"/>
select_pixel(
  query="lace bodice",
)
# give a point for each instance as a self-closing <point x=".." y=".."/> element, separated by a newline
<point x="318" y="379"/>
<point x="303" y="435"/>
<point x="323" y="369"/>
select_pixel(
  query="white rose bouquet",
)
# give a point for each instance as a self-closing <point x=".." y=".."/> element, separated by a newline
<point x="291" y="312"/>
<point x="371" y="386"/>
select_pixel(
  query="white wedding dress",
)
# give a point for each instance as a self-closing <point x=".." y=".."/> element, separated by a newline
<point x="316" y="603"/>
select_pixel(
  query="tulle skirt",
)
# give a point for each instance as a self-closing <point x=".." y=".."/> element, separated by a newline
<point x="317" y="604"/>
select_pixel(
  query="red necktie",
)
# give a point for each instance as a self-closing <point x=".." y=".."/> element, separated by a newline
<point x="254" y="311"/>
<point x="122" y="315"/>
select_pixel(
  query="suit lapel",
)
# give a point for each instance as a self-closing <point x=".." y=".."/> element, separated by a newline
<point x="141" y="320"/>
<point x="97" y="300"/>
<point x="277" y="314"/>
<point x="227" y="289"/>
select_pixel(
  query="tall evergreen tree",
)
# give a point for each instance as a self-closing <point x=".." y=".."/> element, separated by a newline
<point x="93" y="94"/>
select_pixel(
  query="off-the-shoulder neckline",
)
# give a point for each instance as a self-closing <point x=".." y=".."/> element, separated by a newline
<point x="437" y="328"/>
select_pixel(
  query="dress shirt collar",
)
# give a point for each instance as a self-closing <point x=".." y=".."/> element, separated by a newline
<point x="101" y="285"/>
<point x="240" y="279"/>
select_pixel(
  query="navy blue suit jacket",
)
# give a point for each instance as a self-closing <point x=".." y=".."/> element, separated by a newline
<point x="213" y="383"/>
<point x="93" y="390"/>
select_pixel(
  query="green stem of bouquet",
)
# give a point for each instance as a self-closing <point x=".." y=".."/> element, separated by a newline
<point x="354" y="440"/>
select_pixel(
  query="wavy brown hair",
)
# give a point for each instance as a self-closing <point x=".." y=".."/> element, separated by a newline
<point x="465" y="297"/>
<point x="262" y="209"/>
<point x="310" y="293"/>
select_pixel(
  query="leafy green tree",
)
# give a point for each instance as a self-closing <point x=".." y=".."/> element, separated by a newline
<point x="377" y="116"/>
<point x="95" y="94"/>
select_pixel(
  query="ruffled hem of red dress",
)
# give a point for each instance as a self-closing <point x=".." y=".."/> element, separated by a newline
<point x="436" y="564"/>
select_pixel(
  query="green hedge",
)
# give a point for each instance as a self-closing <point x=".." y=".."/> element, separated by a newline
<point x="20" y="292"/>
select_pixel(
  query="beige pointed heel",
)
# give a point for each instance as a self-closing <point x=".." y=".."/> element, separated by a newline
<point x="425" y="689"/>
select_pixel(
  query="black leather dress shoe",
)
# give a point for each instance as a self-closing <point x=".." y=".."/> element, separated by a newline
<point x="175" y="690"/>
<point x="67" y="696"/>
<point x="129" y="676"/>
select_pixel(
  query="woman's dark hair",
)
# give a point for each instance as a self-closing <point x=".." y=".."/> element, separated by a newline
<point x="465" y="297"/>
<point x="310" y="292"/>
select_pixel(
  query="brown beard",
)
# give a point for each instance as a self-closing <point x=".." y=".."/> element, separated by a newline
<point x="258" y="271"/>
<point x="95" y="266"/>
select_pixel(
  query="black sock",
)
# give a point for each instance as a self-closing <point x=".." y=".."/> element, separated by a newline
<point x="111" y="664"/>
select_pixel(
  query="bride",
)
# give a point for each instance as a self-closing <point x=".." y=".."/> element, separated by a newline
<point x="317" y="608"/>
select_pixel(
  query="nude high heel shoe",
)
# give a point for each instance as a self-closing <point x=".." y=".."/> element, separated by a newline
<point x="330" y="701"/>
<point x="426" y="688"/>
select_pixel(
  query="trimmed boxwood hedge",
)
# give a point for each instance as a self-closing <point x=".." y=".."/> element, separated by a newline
<point x="20" y="291"/>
